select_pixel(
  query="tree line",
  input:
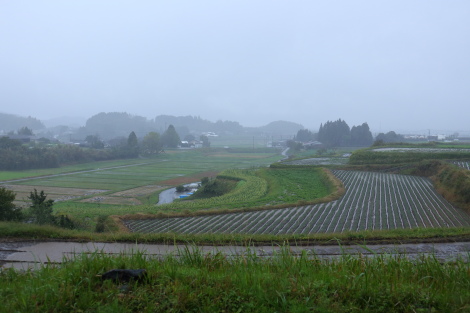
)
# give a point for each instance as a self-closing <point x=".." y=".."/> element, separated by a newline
<point x="338" y="133"/>
<point x="14" y="155"/>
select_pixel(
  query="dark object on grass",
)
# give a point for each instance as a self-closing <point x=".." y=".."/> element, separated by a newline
<point x="119" y="275"/>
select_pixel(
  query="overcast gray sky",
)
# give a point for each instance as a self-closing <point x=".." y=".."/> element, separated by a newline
<point x="398" y="65"/>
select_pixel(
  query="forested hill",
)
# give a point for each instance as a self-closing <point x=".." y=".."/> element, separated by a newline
<point x="10" y="122"/>
<point x="197" y="124"/>
<point x="110" y="125"/>
<point x="114" y="124"/>
<point x="281" y="128"/>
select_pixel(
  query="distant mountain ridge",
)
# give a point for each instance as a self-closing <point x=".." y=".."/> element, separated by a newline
<point x="110" y="125"/>
<point x="120" y="123"/>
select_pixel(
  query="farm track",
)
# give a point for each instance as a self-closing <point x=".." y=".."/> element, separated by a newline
<point x="373" y="201"/>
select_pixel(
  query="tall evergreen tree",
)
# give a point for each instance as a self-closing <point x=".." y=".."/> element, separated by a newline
<point x="170" y="138"/>
<point x="41" y="209"/>
<point x="335" y="133"/>
<point x="133" y="145"/>
<point x="361" y="135"/>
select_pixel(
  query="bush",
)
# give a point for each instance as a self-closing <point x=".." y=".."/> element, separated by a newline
<point x="8" y="211"/>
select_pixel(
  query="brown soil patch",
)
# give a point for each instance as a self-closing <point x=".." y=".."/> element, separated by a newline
<point x="54" y="193"/>
<point x="53" y="190"/>
<point x="138" y="192"/>
<point x="188" y="179"/>
<point x="245" y="156"/>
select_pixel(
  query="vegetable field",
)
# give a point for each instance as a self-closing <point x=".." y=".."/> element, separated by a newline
<point x="373" y="201"/>
<point x="462" y="164"/>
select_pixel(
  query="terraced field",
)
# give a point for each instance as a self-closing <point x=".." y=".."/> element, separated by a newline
<point x="372" y="201"/>
<point x="125" y="180"/>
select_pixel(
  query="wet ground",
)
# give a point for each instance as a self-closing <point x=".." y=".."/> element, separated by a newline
<point x="24" y="255"/>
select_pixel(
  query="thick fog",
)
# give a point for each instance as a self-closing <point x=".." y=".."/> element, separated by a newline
<point x="398" y="65"/>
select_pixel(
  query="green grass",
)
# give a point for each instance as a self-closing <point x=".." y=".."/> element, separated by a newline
<point x="22" y="231"/>
<point x="172" y="164"/>
<point x="261" y="187"/>
<point x="7" y="175"/>
<point x="197" y="282"/>
<point x="290" y="185"/>
<point x="239" y="141"/>
<point x="141" y="172"/>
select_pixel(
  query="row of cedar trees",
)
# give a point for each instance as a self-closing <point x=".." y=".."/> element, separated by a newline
<point x="338" y="133"/>
<point x="16" y="156"/>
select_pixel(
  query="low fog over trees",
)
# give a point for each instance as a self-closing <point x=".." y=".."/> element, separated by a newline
<point x="117" y="124"/>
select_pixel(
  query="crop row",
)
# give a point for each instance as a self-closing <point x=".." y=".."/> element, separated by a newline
<point x="462" y="164"/>
<point x="371" y="201"/>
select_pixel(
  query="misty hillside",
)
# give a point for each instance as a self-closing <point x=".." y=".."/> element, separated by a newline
<point x="281" y="128"/>
<point x="115" y="124"/>
<point x="10" y="122"/>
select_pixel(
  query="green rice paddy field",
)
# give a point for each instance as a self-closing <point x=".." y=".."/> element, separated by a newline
<point x="115" y="184"/>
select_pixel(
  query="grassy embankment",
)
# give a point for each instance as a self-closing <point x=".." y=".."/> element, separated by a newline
<point x="194" y="281"/>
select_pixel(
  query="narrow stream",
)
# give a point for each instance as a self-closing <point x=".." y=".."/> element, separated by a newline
<point x="169" y="195"/>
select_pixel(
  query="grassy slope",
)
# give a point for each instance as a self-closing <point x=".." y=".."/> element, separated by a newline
<point x="197" y="282"/>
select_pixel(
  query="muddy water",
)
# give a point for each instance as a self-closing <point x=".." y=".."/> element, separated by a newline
<point x="167" y="196"/>
<point x="24" y="255"/>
